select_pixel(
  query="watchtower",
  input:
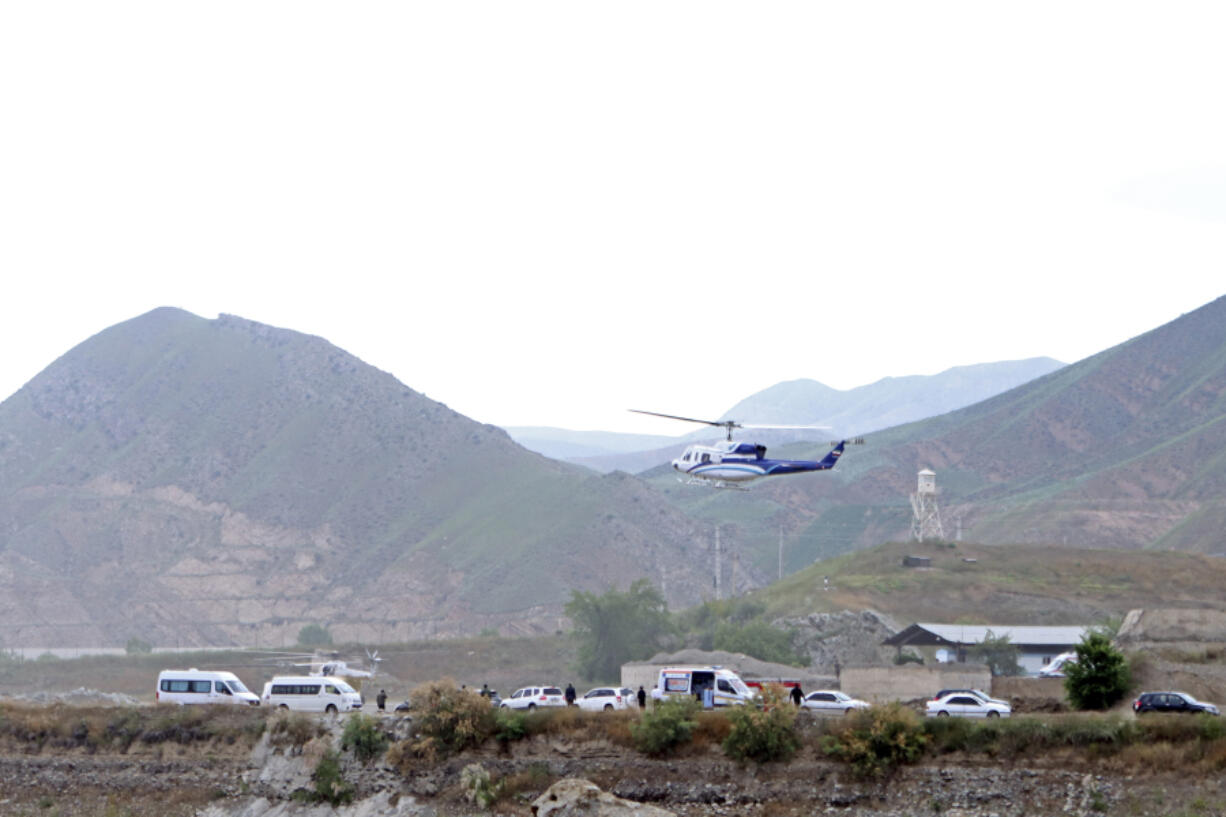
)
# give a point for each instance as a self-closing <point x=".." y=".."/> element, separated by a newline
<point x="926" y="522"/>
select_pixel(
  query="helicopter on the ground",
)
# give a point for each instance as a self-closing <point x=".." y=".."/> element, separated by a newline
<point x="330" y="664"/>
<point x="730" y="463"/>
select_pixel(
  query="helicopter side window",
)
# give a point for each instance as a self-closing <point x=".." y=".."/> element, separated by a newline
<point x="706" y="457"/>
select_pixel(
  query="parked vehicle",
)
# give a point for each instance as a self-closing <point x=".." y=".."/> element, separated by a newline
<point x="1171" y="702"/>
<point x="832" y="702"/>
<point x="311" y="693"/>
<point x="978" y="693"/>
<point x="726" y="687"/>
<point x="533" y="697"/>
<point x="1055" y="667"/>
<point x="196" y="686"/>
<point x="604" y="699"/>
<point x="964" y="705"/>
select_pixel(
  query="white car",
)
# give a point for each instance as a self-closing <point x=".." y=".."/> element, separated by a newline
<point x="963" y="705"/>
<point x="605" y="699"/>
<point x="832" y="702"/>
<point x="533" y="697"/>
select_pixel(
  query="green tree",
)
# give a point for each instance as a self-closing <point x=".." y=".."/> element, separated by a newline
<point x="759" y="639"/>
<point x="616" y="627"/>
<point x="1100" y="676"/>
<point x="314" y="635"/>
<point x="998" y="653"/>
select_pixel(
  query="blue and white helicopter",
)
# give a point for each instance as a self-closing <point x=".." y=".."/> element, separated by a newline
<point x="730" y="463"/>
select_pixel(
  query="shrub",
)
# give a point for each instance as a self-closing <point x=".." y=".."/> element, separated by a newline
<point x="294" y="729"/>
<point x="876" y="740"/>
<point x="330" y="785"/>
<point x="763" y="735"/>
<point x="1100" y="677"/>
<point x="364" y="738"/>
<point x="510" y="725"/>
<point x="478" y="788"/>
<point x="449" y="720"/>
<point x="665" y="726"/>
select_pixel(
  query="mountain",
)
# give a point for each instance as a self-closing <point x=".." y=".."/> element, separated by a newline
<point x="888" y="402"/>
<point x="191" y="481"/>
<point x="1126" y="449"/>
<point x="565" y="444"/>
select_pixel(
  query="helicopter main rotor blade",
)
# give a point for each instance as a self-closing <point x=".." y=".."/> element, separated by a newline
<point x="716" y="423"/>
<point x="786" y="428"/>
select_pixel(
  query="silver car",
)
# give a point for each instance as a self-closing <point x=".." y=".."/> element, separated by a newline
<point x="832" y="702"/>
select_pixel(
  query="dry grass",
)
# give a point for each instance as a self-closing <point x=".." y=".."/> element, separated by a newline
<point x="118" y="729"/>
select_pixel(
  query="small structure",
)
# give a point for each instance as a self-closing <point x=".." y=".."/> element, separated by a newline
<point x="916" y="561"/>
<point x="1036" y="646"/>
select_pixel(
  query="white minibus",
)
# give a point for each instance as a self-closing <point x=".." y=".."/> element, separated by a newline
<point x="311" y="693"/>
<point x="196" y="686"/>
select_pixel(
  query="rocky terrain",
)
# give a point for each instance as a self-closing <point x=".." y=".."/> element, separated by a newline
<point x="232" y="777"/>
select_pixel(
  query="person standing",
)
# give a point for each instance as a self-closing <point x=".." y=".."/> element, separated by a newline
<point x="797" y="695"/>
<point x="642" y="697"/>
<point x="381" y="700"/>
<point x="570" y="694"/>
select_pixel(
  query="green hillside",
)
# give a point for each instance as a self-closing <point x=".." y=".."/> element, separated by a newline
<point x="1007" y="584"/>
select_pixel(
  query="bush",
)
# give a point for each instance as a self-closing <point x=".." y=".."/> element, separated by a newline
<point x="763" y="735"/>
<point x="330" y="785"/>
<point x="876" y="740"/>
<point x="510" y="725"/>
<point x="478" y="787"/>
<point x="449" y="720"/>
<point x="294" y="729"/>
<point x="665" y="726"/>
<point x="364" y="738"/>
<point x="1100" y="676"/>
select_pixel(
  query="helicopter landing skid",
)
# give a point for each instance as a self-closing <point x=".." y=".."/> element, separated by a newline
<point x="712" y="483"/>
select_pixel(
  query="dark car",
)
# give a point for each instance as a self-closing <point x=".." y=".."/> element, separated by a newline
<point x="1171" y="702"/>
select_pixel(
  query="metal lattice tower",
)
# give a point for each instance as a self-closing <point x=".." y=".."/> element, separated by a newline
<point x="926" y="523"/>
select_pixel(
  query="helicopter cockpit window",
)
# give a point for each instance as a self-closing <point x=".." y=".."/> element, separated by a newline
<point x="706" y="457"/>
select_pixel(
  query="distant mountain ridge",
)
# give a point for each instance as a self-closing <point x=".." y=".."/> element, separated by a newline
<point x="887" y="402"/>
<point x="196" y="481"/>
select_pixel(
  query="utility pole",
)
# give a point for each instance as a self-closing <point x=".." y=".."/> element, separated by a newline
<point x="718" y="565"/>
<point x="781" y="552"/>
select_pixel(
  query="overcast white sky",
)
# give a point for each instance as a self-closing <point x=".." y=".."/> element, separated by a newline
<point x="545" y="213"/>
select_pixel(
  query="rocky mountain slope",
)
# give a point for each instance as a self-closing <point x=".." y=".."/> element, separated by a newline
<point x="192" y="481"/>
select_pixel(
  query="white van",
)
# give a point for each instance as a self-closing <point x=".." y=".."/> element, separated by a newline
<point x="311" y="693"/>
<point x="202" y="686"/>
<point x="727" y="689"/>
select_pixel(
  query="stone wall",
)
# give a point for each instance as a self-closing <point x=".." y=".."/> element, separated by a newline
<point x="910" y="682"/>
<point x="1027" y="688"/>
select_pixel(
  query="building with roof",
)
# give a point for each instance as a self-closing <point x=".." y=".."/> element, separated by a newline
<point x="1036" y="646"/>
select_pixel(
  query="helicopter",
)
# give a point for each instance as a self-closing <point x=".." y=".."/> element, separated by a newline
<point x="731" y="463"/>
<point x="331" y="665"/>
